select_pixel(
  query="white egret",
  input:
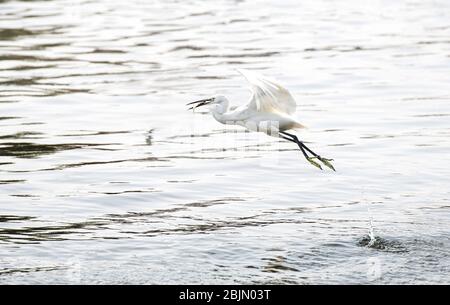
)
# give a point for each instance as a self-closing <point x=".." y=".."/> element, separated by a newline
<point x="269" y="110"/>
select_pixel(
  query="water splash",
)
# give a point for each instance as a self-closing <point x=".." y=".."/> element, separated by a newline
<point x="371" y="231"/>
<point x="371" y="234"/>
<point x="376" y="242"/>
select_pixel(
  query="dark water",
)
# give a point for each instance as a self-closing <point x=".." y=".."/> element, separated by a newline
<point x="106" y="178"/>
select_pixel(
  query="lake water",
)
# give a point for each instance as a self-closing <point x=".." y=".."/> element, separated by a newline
<point x="105" y="177"/>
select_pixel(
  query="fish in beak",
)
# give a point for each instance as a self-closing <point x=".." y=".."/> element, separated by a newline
<point x="200" y="103"/>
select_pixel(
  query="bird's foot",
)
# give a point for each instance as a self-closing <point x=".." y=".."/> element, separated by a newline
<point x="327" y="162"/>
<point x="311" y="160"/>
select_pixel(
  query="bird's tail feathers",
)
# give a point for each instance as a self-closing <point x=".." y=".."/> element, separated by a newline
<point x="299" y="126"/>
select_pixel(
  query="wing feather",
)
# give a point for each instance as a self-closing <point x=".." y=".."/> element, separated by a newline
<point x="268" y="95"/>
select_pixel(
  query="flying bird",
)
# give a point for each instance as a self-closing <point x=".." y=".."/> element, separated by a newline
<point x="269" y="110"/>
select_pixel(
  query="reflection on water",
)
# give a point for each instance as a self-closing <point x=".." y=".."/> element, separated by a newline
<point x="106" y="178"/>
<point x="31" y="150"/>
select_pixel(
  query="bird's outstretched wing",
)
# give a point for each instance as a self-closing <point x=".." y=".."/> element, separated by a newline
<point x="268" y="95"/>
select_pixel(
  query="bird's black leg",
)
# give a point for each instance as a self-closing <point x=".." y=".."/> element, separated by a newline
<point x="294" y="139"/>
<point x="303" y="147"/>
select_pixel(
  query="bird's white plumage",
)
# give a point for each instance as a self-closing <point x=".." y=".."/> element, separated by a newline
<point x="267" y="95"/>
<point x="269" y="110"/>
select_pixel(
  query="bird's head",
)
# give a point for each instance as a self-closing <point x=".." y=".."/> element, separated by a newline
<point x="218" y="103"/>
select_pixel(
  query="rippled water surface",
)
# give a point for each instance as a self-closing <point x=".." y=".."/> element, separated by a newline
<point x="106" y="178"/>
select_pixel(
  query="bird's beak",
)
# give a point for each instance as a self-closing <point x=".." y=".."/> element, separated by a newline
<point x="200" y="103"/>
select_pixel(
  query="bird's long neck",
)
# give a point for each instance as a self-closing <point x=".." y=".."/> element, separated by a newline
<point x="224" y="116"/>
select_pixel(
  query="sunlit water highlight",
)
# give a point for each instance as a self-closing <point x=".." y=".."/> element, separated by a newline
<point x="106" y="178"/>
